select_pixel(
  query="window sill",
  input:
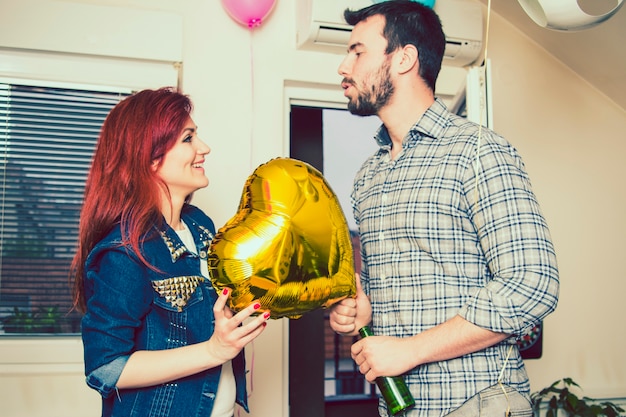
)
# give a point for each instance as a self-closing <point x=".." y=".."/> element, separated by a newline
<point x="46" y="353"/>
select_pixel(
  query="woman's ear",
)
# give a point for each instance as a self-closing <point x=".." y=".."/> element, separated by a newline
<point x="155" y="165"/>
<point x="408" y="58"/>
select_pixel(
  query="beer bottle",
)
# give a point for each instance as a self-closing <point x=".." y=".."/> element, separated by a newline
<point x="393" y="389"/>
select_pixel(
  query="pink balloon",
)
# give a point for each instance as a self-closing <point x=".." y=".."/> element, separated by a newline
<point x="249" y="12"/>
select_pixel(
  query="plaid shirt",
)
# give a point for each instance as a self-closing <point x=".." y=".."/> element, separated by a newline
<point x="452" y="227"/>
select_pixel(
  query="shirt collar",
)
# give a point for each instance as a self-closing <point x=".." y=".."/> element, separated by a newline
<point x="431" y="124"/>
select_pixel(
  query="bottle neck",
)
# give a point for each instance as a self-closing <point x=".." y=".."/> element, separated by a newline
<point x="366" y="331"/>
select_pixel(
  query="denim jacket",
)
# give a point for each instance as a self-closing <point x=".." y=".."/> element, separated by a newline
<point x="131" y="307"/>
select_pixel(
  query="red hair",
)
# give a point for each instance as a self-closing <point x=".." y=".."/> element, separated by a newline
<point x="122" y="187"/>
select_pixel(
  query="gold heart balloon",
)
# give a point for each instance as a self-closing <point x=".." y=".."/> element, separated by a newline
<point x="288" y="246"/>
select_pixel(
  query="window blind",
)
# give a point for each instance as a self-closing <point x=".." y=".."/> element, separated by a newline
<point x="47" y="139"/>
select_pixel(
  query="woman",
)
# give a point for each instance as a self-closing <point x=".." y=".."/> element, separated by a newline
<point x="158" y="340"/>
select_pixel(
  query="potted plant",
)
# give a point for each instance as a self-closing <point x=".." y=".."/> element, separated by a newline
<point x="43" y="320"/>
<point x="559" y="398"/>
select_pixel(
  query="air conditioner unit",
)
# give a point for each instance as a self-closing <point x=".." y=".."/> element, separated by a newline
<point x="321" y="27"/>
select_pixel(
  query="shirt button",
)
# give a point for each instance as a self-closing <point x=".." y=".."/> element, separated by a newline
<point x="384" y="197"/>
<point x="383" y="277"/>
<point x="381" y="236"/>
<point x="203" y="254"/>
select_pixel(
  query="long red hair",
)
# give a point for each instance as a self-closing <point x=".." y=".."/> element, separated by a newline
<point x="122" y="187"/>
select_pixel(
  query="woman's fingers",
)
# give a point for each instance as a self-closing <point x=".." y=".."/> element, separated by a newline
<point x="239" y="318"/>
<point x="231" y="333"/>
<point x="220" y="304"/>
<point x="236" y="324"/>
<point x="254" y="327"/>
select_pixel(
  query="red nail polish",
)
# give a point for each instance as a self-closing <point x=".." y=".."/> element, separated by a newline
<point x="266" y="315"/>
<point x="225" y="291"/>
<point x="257" y="306"/>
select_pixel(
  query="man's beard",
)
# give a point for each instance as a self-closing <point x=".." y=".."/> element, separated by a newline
<point x="370" y="102"/>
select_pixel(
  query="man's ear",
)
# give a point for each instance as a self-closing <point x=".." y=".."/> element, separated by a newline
<point x="408" y="58"/>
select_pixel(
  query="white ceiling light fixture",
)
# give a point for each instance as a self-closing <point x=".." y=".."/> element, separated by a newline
<point x="565" y="15"/>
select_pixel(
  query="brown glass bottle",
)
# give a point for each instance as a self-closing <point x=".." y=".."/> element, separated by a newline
<point x="393" y="389"/>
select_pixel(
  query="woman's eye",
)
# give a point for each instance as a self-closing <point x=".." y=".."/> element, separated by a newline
<point x="188" y="138"/>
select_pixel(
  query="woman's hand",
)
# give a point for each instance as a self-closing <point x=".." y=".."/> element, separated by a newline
<point x="151" y="367"/>
<point x="231" y="334"/>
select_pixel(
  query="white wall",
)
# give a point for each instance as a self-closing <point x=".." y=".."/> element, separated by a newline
<point x="572" y="140"/>
<point x="241" y="81"/>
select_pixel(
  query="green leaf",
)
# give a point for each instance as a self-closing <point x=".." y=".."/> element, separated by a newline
<point x="572" y="400"/>
<point x="570" y="381"/>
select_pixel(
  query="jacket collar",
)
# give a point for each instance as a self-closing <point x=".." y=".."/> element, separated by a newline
<point x="201" y="235"/>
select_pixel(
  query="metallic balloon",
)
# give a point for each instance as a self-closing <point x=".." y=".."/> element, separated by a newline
<point x="288" y="246"/>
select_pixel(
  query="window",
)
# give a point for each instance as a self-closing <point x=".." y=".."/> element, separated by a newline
<point x="47" y="138"/>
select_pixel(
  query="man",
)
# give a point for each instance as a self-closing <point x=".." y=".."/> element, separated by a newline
<point x="457" y="260"/>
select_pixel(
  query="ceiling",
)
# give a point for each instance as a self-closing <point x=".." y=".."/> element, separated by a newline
<point x="597" y="54"/>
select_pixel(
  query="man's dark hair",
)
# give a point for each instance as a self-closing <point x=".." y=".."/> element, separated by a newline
<point x="408" y="22"/>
